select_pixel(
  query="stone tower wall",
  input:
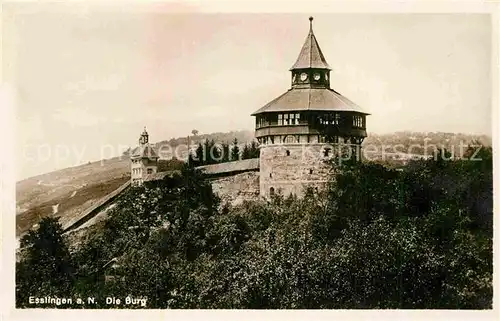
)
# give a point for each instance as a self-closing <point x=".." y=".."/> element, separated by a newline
<point x="292" y="173"/>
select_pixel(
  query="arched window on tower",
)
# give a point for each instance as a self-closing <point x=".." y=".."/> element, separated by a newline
<point x="271" y="191"/>
<point x="290" y="139"/>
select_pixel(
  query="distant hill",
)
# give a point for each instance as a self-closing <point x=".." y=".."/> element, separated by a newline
<point x="180" y="143"/>
<point x="242" y="136"/>
<point x="417" y="142"/>
<point x="72" y="190"/>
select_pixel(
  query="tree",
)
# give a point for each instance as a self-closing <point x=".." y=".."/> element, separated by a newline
<point x="245" y="154"/>
<point x="45" y="268"/>
<point x="226" y="157"/>
<point x="213" y="152"/>
<point x="235" y="151"/>
<point x="192" y="162"/>
<point x="254" y="150"/>
<point x="199" y="158"/>
<point x="170" y="164"/>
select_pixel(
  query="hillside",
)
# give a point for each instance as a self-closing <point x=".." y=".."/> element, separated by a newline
<point x="74" y="189"/>
<point x="77" y="188"/>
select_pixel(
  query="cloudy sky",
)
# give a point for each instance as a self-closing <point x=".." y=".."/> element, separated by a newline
<point x="91" y="76"/>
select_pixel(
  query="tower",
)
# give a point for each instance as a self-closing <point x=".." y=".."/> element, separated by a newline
<point x="301" y="129"/>
<point x="143" y="160"/>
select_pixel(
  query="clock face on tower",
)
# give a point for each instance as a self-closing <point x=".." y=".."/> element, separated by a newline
<point x="294" y="78"/>
<point x="326" y="77"/>
<point x="317" y="76"/>
<point x="303" y="76"/>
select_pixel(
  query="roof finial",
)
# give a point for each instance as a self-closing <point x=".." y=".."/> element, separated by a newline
<point x="311" y="23"/>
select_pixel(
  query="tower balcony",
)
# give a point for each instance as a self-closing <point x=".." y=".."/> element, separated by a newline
<point x="272" y="130"/>
<point x="305" y="129"/>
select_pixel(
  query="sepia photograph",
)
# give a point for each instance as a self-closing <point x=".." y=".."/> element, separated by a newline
<point x="170" y="158"/>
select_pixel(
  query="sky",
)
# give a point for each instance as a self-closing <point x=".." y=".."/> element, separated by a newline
<point x="95" y="76"/>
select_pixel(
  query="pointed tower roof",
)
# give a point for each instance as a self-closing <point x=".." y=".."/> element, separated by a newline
<point x="311" y="56"/>
<point x="306" y="97"/>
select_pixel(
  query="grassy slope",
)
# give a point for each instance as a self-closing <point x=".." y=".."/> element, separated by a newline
<point x="36" y="195"/>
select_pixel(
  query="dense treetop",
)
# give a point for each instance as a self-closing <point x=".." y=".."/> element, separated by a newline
<point x="377" y="237"/>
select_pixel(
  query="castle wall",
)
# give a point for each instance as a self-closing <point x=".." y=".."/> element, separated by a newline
<point x="290" y="174"/>
<point x="237" y="188"/>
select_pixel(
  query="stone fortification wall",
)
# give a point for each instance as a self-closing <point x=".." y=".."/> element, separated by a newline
<point x="234" y="181"/>
<point x="290" y="168"/>
<point x="238" y="187"/>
